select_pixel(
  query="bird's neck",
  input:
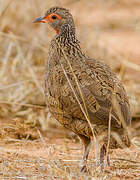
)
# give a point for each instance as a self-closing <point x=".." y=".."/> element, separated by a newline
<point x="67" y="43"/>
<point x="67" y="35"/>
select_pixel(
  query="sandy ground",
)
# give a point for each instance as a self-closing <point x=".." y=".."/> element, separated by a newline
<point x="57" y="157"/>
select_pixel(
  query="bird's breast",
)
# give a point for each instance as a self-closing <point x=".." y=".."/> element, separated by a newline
<point x="59" y="95"/>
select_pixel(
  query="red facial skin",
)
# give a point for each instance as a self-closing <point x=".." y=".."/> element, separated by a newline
<point x="49" y="19"/>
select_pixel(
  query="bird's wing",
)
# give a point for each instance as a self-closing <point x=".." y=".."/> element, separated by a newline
<point x="98" y="83"/>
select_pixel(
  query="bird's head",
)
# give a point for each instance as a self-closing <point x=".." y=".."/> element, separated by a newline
<point x="56" y="17"/>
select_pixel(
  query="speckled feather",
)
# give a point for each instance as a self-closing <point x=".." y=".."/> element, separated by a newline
<point x="96" y="80"/>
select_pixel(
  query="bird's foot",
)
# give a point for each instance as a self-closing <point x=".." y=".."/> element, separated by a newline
<point x="105" y="165"/>
<point x="101" y="167"/>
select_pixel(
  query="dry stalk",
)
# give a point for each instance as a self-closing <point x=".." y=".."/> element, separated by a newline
<point x="29" y="67"/>
<point x="22" y="104"/>
<point x="109" y="132"/>
<point x="5" y="60"/>
<point x="22" y="147"/>
<point x="116" y="106"/>
<point x="41" y="138"/>
<point x="5" y="9"/>
<point x="14" y="84"/>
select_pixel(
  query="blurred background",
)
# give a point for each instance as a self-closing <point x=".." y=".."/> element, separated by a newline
<point x="109" y="30"/>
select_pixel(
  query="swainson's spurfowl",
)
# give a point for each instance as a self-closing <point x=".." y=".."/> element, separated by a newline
<point x="79" y="89"/>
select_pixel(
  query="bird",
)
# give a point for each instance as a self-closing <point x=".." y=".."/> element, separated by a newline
<point x="79" y="89"/>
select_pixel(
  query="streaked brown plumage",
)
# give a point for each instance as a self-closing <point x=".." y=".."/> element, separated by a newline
<point x="96" y="81"/>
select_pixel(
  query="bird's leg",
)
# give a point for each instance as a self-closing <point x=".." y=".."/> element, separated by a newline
<point x="102" y="154"/>
<point x="108" y="160"/>
<point x="85" y="157"/>
<point x="87" y="145"/>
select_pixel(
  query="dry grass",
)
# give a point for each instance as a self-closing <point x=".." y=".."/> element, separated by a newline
<point x="108" y="31"/>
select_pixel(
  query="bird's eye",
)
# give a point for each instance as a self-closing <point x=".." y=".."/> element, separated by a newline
<point x="54" y="17"/>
